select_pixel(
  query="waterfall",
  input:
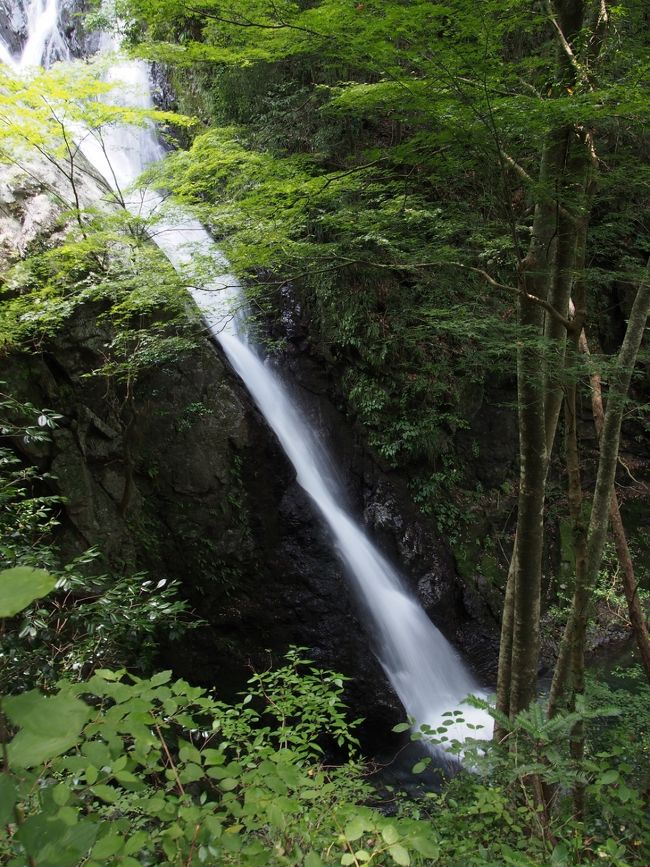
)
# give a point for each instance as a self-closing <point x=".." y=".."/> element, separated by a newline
<point x="426" y="672"/>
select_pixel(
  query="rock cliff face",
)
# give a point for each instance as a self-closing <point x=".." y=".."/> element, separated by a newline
<point x="14" y="21"/>
<point x="185" y="481"/>
<point x="181" y="477"/>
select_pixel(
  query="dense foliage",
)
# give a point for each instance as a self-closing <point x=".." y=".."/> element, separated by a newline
<point x="381" y="168"/>
<point x="92" y="620"/>
<point x="89" y="252"/>
<point x="155" y="771"/>
<point x="369" y="154"/>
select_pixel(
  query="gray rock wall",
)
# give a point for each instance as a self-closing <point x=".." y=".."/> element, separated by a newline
<point x="14" y="22"/>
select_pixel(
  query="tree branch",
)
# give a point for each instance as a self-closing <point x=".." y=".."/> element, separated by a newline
<point x="519" y="170"/>
<point x="246" y="22"/>
<point x="521" y="292"/>
<point x="573" y="60"/>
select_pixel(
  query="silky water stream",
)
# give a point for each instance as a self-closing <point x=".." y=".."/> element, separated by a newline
<point x="425" y="671"/>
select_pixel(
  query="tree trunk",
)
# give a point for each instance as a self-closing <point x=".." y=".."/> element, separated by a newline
<point x="518" y="657"/>
<point x="505" y="647"/>
<point x="573" y="638"/>
<point x="545" y="273"/>
<point x="630" y="587"/>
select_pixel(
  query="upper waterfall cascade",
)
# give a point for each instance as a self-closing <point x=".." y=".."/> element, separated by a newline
<point x="424" y="669"/>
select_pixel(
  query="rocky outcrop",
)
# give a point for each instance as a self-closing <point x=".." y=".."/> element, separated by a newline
<point x="75" y="39"/>
<point x="465" y="607"/>
<point x="184" y="480"/>
<point x="80" y="41"/>
<point x="13" y="25"/>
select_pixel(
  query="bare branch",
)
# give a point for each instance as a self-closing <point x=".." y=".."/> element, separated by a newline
<point x="351" y="171"/>
<point x="573" y="60"/>
<point x="246" y="22"/>
<point x="521" y="292"/>
<point x="600" y="30"/>
<point x="519" y="170"/>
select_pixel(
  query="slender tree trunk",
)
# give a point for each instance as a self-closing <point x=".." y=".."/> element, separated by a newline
<point x="545" y="273"/>
<point x="530" y="520"/>
<point x="580" y="598"/>
<point x="505" y="646"/>
<point x="573" y="638"/>
<point x="630" y="585"/>
<point x="583" y="196"/>
<point x="560" y="295"/>
<point x="521" y="622"/>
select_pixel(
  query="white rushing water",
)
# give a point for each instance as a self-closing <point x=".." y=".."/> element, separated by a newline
<point x="425" y="670"/>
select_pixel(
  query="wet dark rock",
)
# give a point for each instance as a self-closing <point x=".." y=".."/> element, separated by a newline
<point x="161" y="90"/>
<point x="80" y="41"/>
<point x="186" y="482"/>
<point x="380" y="497"/>
<point x="13" y="24"/>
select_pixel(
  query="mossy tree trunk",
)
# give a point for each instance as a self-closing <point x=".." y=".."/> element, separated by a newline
<point x="545" y="279"/>
<point x="571" y="654"/>
<point x="630" y="584"/>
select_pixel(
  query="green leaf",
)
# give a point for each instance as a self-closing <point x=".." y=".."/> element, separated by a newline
<point x="390" y="834"/>
<point x="420" y="766"/>
<point x="98" y="753"/>
<point x="425" y="847"/>
<point x="560" y="854"/>
<point x="189" y="753"/>
<point x="61" y="794"/>
<point x="399" y="855"/>
<point x="401" y="727"/>
<point x="354" y="829"/>
<point x="19" y="587"/>
<point x="276" y="817"/>
<point x="49" y="726"/>
<point x="212" y="757"/>
<point x="8" y="798"/>
<point x="56" y="842"/>
<point x="312" y="859"/>
<point x="136" y="842"/>
<point x="127" y="778"/>
<point x="108" y="845"/>
<point x="625" y="793"/>
<point x="609" y="777"/>
<point x="105" y="793"/>
<point x="191" y="773"/>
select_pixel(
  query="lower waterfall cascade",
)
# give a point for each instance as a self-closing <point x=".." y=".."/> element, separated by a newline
<point x="423" y="668"/>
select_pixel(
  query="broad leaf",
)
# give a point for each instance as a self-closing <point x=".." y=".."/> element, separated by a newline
<point x="49" y="726"/>
<point x="19" y="587"/>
